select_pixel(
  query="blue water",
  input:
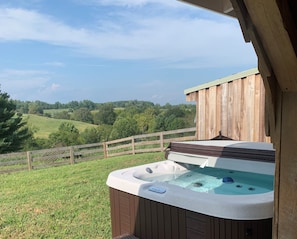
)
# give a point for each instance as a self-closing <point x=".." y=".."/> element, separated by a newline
<point x="220" y="181"/>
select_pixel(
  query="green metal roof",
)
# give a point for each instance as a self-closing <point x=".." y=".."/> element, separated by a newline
<point x="220" y="81"/>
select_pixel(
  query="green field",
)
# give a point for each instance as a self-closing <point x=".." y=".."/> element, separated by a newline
<point x="54" y="111"/>
<point x="44" y="126"/>
<point x="63" y="202"/>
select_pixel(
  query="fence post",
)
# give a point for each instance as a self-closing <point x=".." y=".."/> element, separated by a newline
<point x="72" y="161"/>
<point x="105" y="150"/>
<point x="133" y="145"/>
<point x="29" y="159"/>
<point x="161" y="141"/>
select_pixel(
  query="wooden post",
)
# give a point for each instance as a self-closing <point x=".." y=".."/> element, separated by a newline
<point x="133" y="145"/>
<point x="105" y="153"/>
<point x="161" y="141"/>
<point x="29" y="158"/>
<point x="285" y="214"/>
<point x="72" y="160"/>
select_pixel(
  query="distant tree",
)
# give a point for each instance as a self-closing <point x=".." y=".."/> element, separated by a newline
<point x="82" y="114"/>
<point x="140" y="105"/>
<point x="73" y="105"/>
<point x="61" y="115"/>
<point x="170" y="119"/>
<point x="22" y="106"/>
<point x="159" y="124"/>
<point x="190" y="114"/>
<point x="87" y="104"/>
<point x="36" y="108"/>
<point x="176" y="111"/>
<point x="90" y="135"/>
<point x="36" y="143"/>
<point x="95" y="135"/>
<point x="58" y="105"/>
<point x="104" y="131"/>
<point x="105" y="115"/>
<point x="66" y="135"/>
<point x="172" y="123"/>
<point x="13" y="131"/>
<point x="124" y="127"/>
<point x="131" y="110"/>
<point x="146" y="120"/>
<point x="41" y="143"/>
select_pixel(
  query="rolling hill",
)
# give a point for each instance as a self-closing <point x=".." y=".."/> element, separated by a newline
<point x="44" y="126"/>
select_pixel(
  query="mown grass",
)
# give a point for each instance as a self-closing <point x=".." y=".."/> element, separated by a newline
<point x="63" y="202"/>
<point x="44" y="126"/>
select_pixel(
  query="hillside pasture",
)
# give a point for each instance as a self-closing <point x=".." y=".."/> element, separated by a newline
<point x="44" y="126"/>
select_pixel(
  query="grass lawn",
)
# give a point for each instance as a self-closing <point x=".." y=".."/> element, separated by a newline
<point x="63" y="202"/>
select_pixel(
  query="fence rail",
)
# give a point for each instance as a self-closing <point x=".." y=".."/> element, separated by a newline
<point x="36" y="159"/>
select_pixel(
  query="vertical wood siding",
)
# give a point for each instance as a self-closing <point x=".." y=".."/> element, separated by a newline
<point x="235" y="108"/>
<point x="147" y="219"/>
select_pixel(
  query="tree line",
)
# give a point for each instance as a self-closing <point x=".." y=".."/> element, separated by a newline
<point x="38" y="107"/>
<point x="111" y="120"/>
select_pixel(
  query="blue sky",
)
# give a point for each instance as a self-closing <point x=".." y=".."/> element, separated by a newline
<point x="111" y="50"/>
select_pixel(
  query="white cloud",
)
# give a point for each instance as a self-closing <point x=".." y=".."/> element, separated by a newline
<point x="178" y="41"/>
<point x="54" y="63"/>
<point x="24" y="84"/>
<point x="55" y="86"/>
<point x="19" y="24"/>
<point x="23" y="78"/>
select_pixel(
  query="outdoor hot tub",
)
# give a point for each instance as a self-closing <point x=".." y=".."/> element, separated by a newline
<point x="219" y="189"/>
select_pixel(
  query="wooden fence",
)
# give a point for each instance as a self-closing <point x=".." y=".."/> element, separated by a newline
<point x="155" y="142"/>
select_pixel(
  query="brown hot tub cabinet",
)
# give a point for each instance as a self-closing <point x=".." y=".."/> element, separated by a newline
<point x="133" y="212"/>
<point x="146" y="219"/>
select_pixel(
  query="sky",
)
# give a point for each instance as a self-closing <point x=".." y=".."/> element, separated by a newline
<point x="113" y="50"/>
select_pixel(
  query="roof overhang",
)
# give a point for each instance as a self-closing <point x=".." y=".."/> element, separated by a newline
<point x="222" y="6"/>
<point x="271" y="25"/>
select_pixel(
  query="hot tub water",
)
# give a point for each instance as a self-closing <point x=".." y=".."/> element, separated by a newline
<point x="215" y="180"/>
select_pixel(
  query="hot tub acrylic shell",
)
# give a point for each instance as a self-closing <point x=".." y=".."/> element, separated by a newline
<point x="239" y="209"/>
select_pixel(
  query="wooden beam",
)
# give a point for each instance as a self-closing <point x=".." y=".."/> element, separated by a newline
<point x="222" y="6"/>
<point x="271" y="27"/>
<point x="288" y="11"/>
<point x="271" y="85"/>
<point x="286" y="197"/>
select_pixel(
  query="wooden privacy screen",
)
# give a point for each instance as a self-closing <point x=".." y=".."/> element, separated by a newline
<point x="235" y="108"/>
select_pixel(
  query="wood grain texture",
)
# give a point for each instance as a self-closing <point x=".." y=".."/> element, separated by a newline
<point x="235" y="108"/>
